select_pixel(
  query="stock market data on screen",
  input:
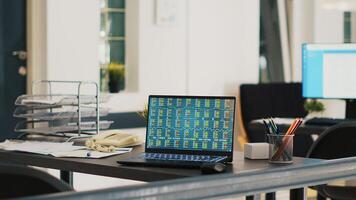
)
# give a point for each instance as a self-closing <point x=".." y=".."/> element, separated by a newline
<point x="191" y="123"/>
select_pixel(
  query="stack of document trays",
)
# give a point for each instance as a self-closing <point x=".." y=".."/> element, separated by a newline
<point x="57" y="115"/>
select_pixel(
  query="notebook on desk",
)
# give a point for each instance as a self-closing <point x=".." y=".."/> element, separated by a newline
<point x="187" y="131"/>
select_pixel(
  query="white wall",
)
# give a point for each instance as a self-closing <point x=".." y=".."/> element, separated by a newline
<point x="70" y="39"/>
<point x="162" y="51"/>
<point x="328" y="24"/>
<point x="73" y="39"/>
<point x="223" y="45"/>
<point x="213" y="47"/>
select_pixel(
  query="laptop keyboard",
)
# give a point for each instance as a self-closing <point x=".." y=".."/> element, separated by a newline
<point x="183" y="157"/>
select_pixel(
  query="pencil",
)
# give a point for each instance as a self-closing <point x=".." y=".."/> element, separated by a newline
<point x="296" y="123"/>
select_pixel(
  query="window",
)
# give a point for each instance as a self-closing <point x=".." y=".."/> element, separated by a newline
<point x="112" y="45"/>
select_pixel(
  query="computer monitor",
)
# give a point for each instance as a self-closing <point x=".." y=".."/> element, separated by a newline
<point x="329" y="71"/>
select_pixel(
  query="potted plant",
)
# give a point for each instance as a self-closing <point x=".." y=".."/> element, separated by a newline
<point x="313" y="107"/>
<point x="116" y="75"/>
<point x="144" y="114"/>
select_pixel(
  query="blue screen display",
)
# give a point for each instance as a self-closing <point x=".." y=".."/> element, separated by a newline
<point x="328" y="70"/>
<point x="312" y="73"/>
<point x="191" y="123"/>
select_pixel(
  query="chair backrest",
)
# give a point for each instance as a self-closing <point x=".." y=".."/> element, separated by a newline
<point x="126" y="120"/>
<point x="271" y="100"/>
<point x="19" y="181"/>
<point x="335" y="142"/>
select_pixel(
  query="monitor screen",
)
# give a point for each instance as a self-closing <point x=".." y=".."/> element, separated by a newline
<point x="190" y="123"/>
<point x="329" y="71"/>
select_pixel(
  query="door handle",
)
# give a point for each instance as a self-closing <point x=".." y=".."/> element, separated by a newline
<point x="22" y="55"/>
<point x="22" y="71"/>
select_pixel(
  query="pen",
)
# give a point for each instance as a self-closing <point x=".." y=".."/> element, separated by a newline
<point x="123" y="149"/>
<point x="266" y="127"/>
<point x="270" y="125"/>
<point x="271" y="128"/>
<point x="275" y="126"/>
<point x="276" y="132"/>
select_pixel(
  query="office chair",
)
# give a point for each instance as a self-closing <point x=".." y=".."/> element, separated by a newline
<point x="19" y="181"/>
<point x="269" y="100"/>
<point x="125" y="120"/>
<point x="335" y="142"/>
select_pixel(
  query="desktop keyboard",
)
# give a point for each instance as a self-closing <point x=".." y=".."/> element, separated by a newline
<point x="326" y="121"/>
<point x="183" y="157"/>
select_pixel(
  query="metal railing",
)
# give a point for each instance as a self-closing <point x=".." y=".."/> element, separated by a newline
<point x="225" y="185"/>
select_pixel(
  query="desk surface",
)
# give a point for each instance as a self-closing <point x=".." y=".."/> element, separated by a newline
<point x="109" y="167"/>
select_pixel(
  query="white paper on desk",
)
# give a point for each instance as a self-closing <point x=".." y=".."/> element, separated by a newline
<point x="56" y="149"/>
<point x="83" y="153"/>
<point x="44" y="148"/>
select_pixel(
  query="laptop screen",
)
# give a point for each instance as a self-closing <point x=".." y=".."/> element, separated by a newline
<point x="190" y="123"/>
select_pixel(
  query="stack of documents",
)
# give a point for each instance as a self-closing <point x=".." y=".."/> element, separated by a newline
<point x="65" y="149"/>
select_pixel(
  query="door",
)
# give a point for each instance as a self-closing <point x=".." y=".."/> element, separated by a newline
<point x="12" y="61"/>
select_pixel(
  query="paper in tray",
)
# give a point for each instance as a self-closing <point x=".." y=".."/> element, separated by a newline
<point x="56" y="99"/>
<point x="45" y="127"/>
<point x="58" y="113"/>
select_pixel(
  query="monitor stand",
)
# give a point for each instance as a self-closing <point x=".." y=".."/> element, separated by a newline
<point x="350" y="109"/>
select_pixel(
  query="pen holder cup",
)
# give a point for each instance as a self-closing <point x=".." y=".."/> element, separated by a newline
<point x="280" y="148"/>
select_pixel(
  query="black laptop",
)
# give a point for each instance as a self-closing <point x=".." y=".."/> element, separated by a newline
<point x="187" y="131"/>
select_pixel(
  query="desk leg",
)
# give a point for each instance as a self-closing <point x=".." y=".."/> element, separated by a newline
<point x="296" y="194"/>
<point x="250" y="197"/>
<point x="67" y="176"/>
<point x="268" y="196"/>
<point x="271" y="196"/>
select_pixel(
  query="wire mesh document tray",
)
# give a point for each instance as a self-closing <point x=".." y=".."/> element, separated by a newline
<point x="57" y="113"/>
<point x="52" y="112"/>
<point x="55" y="100"/>
<point x="45" y="127"/>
